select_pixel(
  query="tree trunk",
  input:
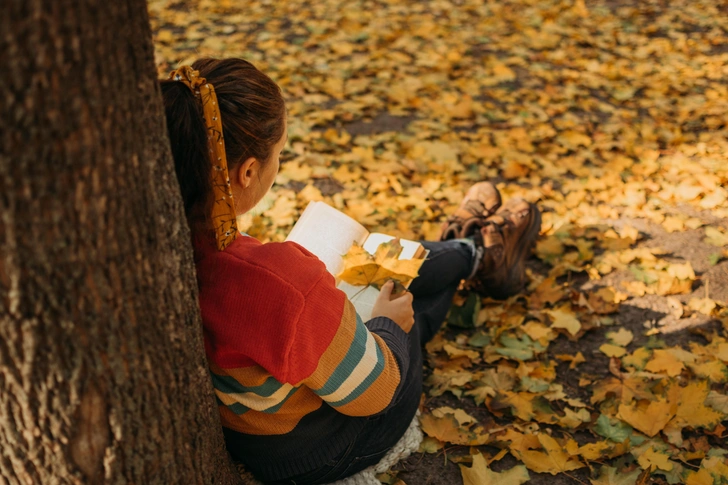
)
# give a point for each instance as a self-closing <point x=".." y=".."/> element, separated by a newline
<point x="102" y="371"/>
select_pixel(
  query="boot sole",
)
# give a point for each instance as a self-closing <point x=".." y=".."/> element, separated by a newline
<point x="455" y="230"/>
<point x="524" y="245"/>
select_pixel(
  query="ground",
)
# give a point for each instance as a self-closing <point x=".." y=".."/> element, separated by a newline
<point x="611" y="116"/>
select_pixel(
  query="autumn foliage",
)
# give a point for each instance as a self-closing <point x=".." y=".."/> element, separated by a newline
<point x="611" y="367"/>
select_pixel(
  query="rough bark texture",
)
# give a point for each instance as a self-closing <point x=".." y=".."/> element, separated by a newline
<point x="102" y="371"/>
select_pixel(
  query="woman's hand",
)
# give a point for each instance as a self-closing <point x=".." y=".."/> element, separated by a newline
<point x="398" y="309"/>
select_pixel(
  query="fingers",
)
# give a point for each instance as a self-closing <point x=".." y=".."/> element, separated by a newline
<point x="387" y="288"/>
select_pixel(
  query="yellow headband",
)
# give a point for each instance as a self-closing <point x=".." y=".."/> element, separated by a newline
<point x="223" y="209"/>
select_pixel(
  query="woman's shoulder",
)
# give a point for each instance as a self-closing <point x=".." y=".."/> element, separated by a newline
<point x="284" y="262"/>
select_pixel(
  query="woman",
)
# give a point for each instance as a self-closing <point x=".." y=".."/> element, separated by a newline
<point x="307" y="392"/>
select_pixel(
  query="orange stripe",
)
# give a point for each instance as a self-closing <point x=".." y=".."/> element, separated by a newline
<point x="301" y="403"/>
<point x="337" y="349"/>
<point x="380" y="392"/>
<point x="247" y="376"/>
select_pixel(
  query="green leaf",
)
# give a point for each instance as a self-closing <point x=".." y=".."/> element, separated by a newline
<point x="520" y="349"/>
<point x="530" y="384"/>
<point x="614" y="430"/>
<point x="479" y="339"/>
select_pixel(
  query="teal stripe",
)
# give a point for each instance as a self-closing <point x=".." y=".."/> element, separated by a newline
<point x="351" y="360"/>
<point x="275" y="408"/>
<point x="238" y="408"/>
<point x="229" y="385"/>
<point x="376" y="372"/>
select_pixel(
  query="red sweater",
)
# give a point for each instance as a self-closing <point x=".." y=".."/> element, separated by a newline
<point x="294" y="368"/>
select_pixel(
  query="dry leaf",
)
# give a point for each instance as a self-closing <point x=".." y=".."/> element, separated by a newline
<point x="553" y="459"/>
<point x="363" y="269"/>
<point x="480" y="474"/>
<point x="648" y="417"/>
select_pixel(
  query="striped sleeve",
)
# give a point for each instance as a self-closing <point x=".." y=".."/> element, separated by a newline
<point x="359" y="374"/>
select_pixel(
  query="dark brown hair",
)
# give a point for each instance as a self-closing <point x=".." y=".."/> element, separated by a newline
<point x="253" y="114"/>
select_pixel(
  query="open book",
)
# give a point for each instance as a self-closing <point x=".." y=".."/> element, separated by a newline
<point x="329" y="233"/>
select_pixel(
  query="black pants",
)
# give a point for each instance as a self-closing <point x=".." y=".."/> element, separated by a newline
<point x="448" y="263"/>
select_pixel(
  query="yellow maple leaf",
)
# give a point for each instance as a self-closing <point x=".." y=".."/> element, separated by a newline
<point x="652" y="459"/>
<point x="664" y="361"/>
<point x="519" y="442"/>
<point x="622" y="337"/>
<point x="594" y="451"/>
<point x="714" y="370"/>
<point x="613" y="350"/>
<point x="692" y="411"/>
<point x="553" y="459"/>
<point x="648" y="418"/>
<point x="623" y="389"/>
<point x="701" y="477"/>
<point x="574" y="419"/>
<point x="480" y="474"/>
<point x="564" y="317"/>
<point x="447" y="428"/>
<point x="460" y="415"/>
<point x="363" y="269"/>
<point x="637" y="359"/>
<point x="521" y="403"/>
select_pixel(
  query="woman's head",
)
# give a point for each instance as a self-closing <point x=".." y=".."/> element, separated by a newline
<point x="253" y="116"/>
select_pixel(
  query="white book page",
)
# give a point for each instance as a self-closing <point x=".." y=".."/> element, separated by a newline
<point x="327" y="233"/>
<point x="409" y="248"/>
<point x="362" y="297"/>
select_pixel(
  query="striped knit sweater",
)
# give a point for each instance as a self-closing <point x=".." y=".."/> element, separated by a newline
<point x="295" y="370"/>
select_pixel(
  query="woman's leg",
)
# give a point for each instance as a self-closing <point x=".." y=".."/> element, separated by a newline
<point x="448" y="263"/>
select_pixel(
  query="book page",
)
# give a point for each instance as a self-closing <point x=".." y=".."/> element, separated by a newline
<point x="362" y="297"/>
<point x="327" y="233"/>
<point x="409" y="248"/>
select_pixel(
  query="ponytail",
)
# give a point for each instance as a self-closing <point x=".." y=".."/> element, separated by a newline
<point x="253" y="115"/>
<point x="188" y="137"/>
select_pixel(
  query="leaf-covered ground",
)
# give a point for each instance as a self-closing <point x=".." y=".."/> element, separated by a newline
<point x="613" y="116"/>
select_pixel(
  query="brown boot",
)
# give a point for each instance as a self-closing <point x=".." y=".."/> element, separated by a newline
<point x="481" y="201"/>
<point x="507" y="239"/>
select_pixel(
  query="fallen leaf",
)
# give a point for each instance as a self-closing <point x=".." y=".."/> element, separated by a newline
<point x="702" y="305"/>
<point x="480" y="474"/>
<point x="664" y="361"/>
<point x="610" y="476"/>
<point x="716" y="236"/>
<point x="651" y="460"/>
<point x="364" y="269"/>
<point x="622" y="337"/>
<point x="552" y="460"/>
<point x="692" y="411"/>
<point x="614" y="430"/>
<point x="612" y="350"/>
<point x="648" y="417"/>
<point x="564" y="317"/>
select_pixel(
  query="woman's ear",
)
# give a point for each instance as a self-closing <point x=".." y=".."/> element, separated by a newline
<point x="247" y="171"/>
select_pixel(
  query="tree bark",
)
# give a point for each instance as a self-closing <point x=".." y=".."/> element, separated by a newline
<point x="103" y="377"/>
